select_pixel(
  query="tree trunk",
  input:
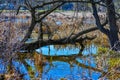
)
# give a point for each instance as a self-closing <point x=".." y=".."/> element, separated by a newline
<point x="32" y="25"/>
<point x="40" y="35"/>
<point x="113" y="33"/>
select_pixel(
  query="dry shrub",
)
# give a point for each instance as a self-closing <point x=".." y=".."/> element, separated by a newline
<point x="55" y="37"/>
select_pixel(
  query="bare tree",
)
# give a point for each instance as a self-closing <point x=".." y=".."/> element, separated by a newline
<point x="37" y="17"/>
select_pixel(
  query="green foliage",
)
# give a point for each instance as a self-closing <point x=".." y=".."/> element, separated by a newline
<point x="103" y="50"/>
<point x="114" y="63"/>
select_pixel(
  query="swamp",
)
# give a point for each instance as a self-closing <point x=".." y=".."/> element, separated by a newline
<point x="60" y="40"/>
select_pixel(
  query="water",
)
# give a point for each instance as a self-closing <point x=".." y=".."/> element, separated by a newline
<point x="61" y="69"/>
<point x="52" y="51"/>
<point x="62" y="66"/>
<point x="69" y="69"/>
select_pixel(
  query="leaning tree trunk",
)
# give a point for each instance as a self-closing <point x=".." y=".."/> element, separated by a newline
<point x="113" y="33"/>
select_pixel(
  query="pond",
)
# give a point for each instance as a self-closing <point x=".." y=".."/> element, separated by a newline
<point x="69" y="68"/>
<point x="62" y="63"/>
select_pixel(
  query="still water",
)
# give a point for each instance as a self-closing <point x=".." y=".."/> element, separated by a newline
<point x="62" y="63"/>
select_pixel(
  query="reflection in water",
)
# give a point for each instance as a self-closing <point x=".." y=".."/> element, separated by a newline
<point x="52" y="51"/>
<point x="2" y="67"/>
<point x="64" y="70"/>
<point x="59" y="66"/>
<point x="92" y="49"/>
<point x="20" y="67"/>
<point x="69" y="69"/>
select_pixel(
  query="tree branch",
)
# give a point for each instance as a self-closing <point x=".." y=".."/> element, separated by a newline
<point x="102" y="29"/>
<point x="28" y="4"/>
<point x="87" y="31"/>
<point x="49" y="11"/>
<point x="32" y="25"/>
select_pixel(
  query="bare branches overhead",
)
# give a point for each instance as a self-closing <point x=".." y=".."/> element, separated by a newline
<point x="49" y="11"/>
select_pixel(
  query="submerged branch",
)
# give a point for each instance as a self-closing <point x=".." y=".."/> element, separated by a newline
<point x="89" y="67"/>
